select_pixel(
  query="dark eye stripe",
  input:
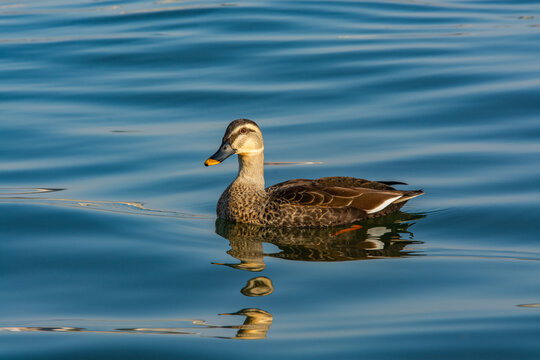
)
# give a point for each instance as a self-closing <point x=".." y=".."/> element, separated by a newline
<point x="233" y="137"/>
<point x="244" y="131"/>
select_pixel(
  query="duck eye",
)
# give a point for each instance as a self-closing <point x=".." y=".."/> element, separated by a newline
<point x="243" y="131"/>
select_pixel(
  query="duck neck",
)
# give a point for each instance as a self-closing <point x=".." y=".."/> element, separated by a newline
<point x="251" y="170"/>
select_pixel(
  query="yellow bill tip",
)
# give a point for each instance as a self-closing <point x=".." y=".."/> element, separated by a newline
<point x="209" y="162"/>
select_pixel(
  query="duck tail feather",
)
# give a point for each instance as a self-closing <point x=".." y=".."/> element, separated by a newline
<point x="407" y="195"/>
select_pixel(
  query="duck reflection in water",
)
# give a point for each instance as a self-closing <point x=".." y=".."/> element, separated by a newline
<point x="255" y="326"/>
<point x="382" y="237"/>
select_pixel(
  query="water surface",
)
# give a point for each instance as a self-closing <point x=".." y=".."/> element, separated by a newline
<point x="110" y="246"/>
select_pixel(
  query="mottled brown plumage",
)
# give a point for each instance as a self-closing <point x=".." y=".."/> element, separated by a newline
<point x="300" y="202"/>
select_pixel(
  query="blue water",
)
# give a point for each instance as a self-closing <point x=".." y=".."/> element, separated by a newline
<point x="114" y="106"/>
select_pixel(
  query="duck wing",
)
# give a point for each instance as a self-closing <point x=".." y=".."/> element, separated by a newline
<point x="340" y="192"/>
<point x="340" y="181"/>
<point x="365" y="199"/>
<point x="349" y="182"/>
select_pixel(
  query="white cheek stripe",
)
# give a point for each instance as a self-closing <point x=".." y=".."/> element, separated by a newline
<point x="251" y="152"/>
<point x="384" y="204"/>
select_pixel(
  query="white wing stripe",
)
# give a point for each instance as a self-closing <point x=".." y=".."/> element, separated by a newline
<point x="384" y="204"/>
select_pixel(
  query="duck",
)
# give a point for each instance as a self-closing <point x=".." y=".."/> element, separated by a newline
<point x="323" y="202"/>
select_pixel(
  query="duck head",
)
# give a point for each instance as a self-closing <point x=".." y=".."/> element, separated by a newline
<point x="242" y="137"/>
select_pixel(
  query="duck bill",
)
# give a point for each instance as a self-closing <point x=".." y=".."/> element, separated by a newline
<point x="224" y="152"/>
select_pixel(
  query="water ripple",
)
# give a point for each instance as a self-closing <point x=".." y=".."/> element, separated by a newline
<point x="125" y="100"/>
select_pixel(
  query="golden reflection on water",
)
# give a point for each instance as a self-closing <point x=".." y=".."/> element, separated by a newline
<point x="124" y="207"/>
<point x="258" y="286"/>
<point x="530" y="305"/>
<point x="255" y="326"/>
<point x="26" y="191"/>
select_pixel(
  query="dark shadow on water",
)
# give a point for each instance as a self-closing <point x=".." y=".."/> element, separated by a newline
<point x="385" y="237"/>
